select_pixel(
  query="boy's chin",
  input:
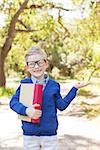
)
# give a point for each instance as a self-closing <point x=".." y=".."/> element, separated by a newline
<point x="38" y="76"/>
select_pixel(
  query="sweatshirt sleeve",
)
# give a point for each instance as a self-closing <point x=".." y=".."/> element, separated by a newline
<point x="63" y="103"/>
<point x="15" y="105"/>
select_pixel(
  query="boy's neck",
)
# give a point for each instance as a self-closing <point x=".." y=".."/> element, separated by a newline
<point x="39" y="78"/>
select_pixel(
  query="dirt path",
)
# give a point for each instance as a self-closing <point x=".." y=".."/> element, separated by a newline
<point x="73" y="133"/>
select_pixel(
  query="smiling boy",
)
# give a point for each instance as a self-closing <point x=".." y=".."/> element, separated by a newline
<point x="42" y="136"/>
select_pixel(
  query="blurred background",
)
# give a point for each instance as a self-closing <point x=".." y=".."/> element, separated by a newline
<point x="69" y="31"/>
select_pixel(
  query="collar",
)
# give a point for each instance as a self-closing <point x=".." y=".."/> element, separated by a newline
<point x="35" y="80"/>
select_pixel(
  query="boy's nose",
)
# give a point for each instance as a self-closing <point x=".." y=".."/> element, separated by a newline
<point x="36" y="65"/>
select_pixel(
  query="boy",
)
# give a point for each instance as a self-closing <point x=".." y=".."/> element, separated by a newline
<point x="43" y="135"/>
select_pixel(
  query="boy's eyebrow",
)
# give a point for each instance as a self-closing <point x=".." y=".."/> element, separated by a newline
<point x="36" y="61"/>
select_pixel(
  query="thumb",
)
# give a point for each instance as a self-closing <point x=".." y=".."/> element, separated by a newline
<point x="36" y="105"/>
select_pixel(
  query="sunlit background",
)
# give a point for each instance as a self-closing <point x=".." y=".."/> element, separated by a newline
<point x="69" y="31"/>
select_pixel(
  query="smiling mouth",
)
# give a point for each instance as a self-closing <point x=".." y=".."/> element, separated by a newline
<point x="37" y="71"/>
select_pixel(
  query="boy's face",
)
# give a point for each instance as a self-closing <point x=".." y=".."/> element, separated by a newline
<point x="37" y="65"/>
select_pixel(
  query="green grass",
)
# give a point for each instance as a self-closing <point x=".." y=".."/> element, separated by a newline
<point x="90" y="110"/>
<point x="86" y="93"/>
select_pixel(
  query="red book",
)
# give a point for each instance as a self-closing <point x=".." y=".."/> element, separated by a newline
<point x="37" y="99"/>
<point x="30" y="94"/>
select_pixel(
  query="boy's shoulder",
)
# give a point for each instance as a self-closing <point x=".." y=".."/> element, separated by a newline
<point x="26" y="80"/>
<point x="54" y="81"/>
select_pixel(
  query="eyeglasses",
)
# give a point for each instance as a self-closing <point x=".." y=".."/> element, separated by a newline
<point x="40" y="63"/>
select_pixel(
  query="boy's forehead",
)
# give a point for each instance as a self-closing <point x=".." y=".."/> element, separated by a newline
<point x="35" y="57"/>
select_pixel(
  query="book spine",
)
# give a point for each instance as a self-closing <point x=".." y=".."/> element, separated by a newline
<point x="37" y="99"/>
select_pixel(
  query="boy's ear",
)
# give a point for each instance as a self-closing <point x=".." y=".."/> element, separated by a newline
<point x="26" y="67"/>
<point x="27" y="71"/>
<point x="47" y="63"/>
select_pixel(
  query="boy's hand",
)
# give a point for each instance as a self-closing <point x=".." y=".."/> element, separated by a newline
<point x="32" y="112"/>
<point x="81" y="84"/>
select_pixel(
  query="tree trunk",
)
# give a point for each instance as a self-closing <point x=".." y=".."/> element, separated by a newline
<point x="2" y="74"/>
<point x="8" y="42"/>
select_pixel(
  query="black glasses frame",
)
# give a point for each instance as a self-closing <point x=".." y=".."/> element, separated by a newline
<point x="36" y="62"/>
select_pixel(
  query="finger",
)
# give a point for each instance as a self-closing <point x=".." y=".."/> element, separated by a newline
<point x="85" y="84"/>
<point x="36" y="116"/>
<point x="38" y="113"/>
<point x="36" y="105"/>
<point x="37" y="110"/>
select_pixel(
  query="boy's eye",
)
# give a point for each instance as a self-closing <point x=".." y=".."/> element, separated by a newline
<point x="30" y="64"/>
<point x="40" y="63"/>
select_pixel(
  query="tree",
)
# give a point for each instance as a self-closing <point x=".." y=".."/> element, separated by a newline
<point x="4" y="50"/>
<point x="15" y="12"/>
<point x="31" y="19"/>
<point x="88" y="36"/>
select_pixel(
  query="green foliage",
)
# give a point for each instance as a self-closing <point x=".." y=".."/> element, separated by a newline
<point x="96" y="53"/>
<point x="70" y="53"/>
<point x="8" y="92"/>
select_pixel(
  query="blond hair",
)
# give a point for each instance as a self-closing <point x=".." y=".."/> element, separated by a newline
<point x="35" y="50"/>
